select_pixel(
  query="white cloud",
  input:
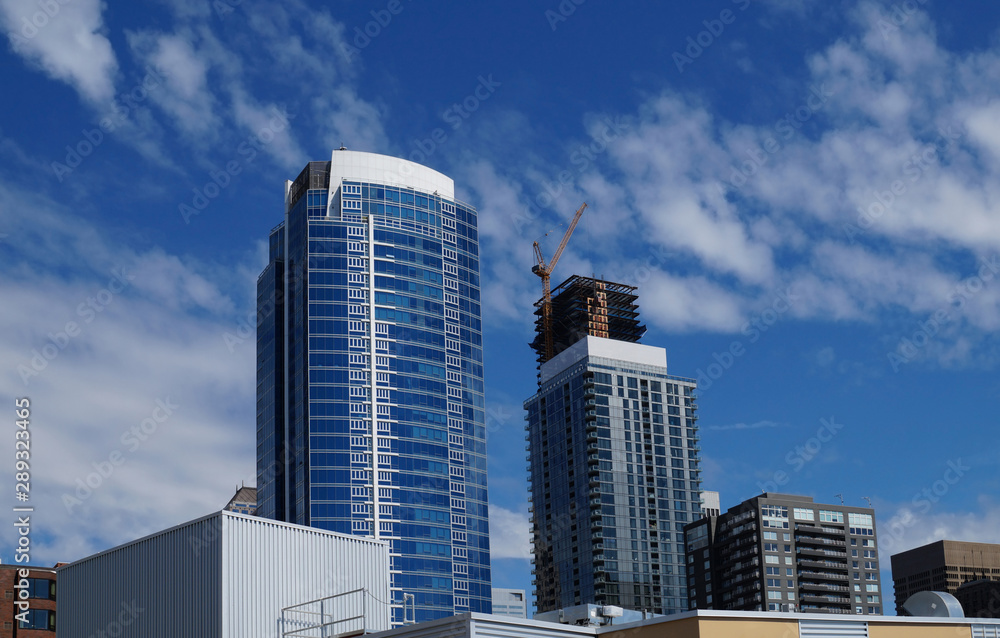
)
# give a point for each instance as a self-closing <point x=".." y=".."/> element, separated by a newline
<point x="140" y="410"/>
<point x="67" y="40"/>
<point x="186" y="96"/>
<point x="877" y="197"/>
<point x="922" y="521"/>
<point x="510" y="534"/>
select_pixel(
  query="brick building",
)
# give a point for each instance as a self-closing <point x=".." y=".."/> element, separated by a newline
<point x="28" y="607"/>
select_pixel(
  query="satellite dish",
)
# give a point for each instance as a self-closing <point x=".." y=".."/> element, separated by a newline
<point x="933" y="604"/>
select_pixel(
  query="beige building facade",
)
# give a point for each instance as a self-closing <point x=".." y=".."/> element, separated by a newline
<point x="709" y="624"/>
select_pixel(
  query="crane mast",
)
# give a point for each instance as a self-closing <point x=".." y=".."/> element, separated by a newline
<point x="544" y="271"/>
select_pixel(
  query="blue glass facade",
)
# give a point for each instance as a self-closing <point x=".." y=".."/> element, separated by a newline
<point x="376" y="354"/>
<point x="615" y="477"/>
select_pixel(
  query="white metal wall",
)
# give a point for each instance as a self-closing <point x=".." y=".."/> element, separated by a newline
<point x="225" y="575"/>
<point x="292" y="565"/>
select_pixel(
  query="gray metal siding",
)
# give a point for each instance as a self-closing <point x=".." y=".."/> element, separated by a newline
<point x="832" y="629"/>
<point x="221" y="576"/>
<point x="124" y="589"/>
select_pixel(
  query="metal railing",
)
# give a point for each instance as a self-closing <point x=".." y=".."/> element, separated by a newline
<point x="340" y="615"/>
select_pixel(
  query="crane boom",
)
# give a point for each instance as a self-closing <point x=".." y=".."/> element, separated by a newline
<point x="544" y="271"/>
<point x="565" y="239"/>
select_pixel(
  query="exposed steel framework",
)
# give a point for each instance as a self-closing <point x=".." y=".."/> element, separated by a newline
<point x="582" y="306"/>
<point x="544" y="271"/>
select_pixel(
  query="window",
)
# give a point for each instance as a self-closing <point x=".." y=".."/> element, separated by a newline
<point x="41" y="588"/>
<point x="860" y="520"/>
<point x="828" y="516"/>
<point x="804" y="514"/>
<point x="39" y="619"/>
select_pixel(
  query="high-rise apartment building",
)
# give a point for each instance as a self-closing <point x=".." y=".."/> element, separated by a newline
<point x="780" y="552"/>
<point x="945" y="566"/>
<point x="370" y="409"/>
<point x="614" y="461"/>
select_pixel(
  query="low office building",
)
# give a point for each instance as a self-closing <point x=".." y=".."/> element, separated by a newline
<point x="510" y="602"/>
<point x="943" y="566"/>
<point x="980" y="598"/>
<point x="228" y="575"/>
<point x="780" y="552"/>
<point x="707" y="624"/>
<point x="28" y="607"/>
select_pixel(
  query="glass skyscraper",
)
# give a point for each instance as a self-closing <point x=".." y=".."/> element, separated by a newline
<point x="615" y="476"/>
<point x="370" y="410"/>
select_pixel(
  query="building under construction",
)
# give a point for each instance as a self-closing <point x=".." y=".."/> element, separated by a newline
<point x="582" y="306"/>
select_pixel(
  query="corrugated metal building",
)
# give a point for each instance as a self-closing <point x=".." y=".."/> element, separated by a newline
<point x="227" y="575"/>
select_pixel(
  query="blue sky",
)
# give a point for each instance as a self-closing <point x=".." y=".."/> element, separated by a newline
<point x="805" y="193"/>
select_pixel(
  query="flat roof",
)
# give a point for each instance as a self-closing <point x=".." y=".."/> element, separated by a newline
<point x="228" y="514"/>
<point x="481" y="624"/>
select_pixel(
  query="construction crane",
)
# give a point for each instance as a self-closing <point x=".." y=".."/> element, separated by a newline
<point x="544" y="271"/>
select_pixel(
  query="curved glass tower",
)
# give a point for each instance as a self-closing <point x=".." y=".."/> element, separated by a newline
<point x="370" y="410"/>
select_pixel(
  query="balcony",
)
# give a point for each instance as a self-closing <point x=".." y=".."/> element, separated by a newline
<point x="807" y="585"/>
<point x="812" y="540"/>
<point x="826" y="599"/>
<point x="805" y="561"/>
<point x="823" y="575"/>
<point x="817" y="551"/>
<point x="816" y="529"/>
